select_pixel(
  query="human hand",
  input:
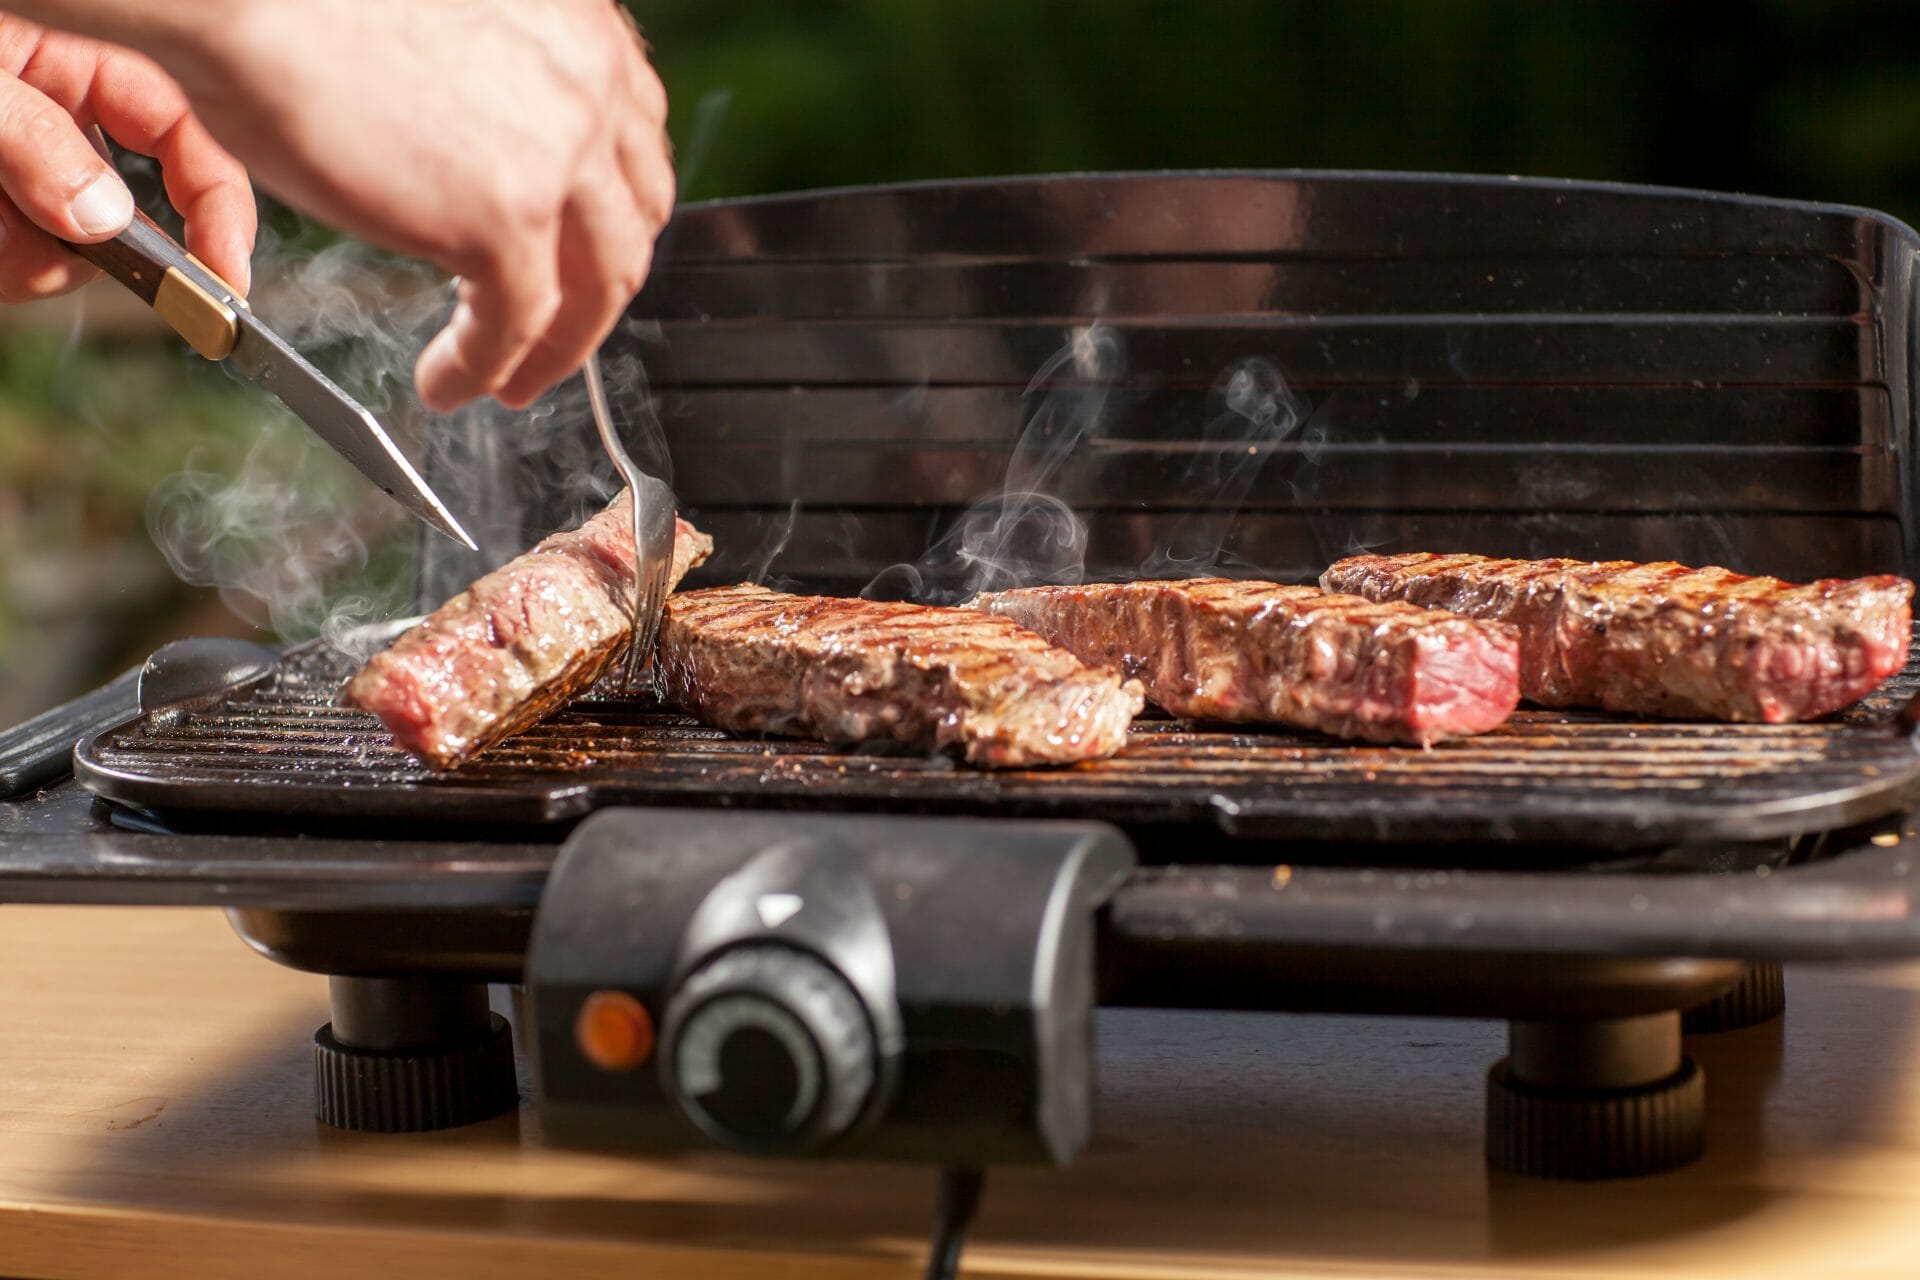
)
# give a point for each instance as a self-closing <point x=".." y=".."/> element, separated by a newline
<point x="520" y="144"/>
<point x="53" y="88"/>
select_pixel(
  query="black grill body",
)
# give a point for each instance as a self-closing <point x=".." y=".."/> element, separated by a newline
<point x="930" y="389"/>
<point x="1549" y="788"/>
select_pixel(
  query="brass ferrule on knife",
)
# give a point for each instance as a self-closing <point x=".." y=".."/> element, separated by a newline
<point x="207" y="323"/>
<point x="199" y="305"/>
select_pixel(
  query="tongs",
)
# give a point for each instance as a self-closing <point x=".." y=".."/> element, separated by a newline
<point x="652" y="506"/>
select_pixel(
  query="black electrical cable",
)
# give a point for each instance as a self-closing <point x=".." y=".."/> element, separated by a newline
<point x="959" y="1199"/>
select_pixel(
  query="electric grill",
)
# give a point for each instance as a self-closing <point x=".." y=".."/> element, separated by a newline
<point x="1241" y="373"/>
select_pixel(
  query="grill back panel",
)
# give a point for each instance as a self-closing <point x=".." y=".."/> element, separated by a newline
<point x="1290" y="366"/>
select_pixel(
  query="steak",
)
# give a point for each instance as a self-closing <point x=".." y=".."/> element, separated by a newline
<point x="860" y="671"/>
<point x="516" y="645"/>
<point x="1663" y="639"/>
<point x="1218" y="649"/>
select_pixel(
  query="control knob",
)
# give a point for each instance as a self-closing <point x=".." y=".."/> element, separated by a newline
<point x="767" y="1049"/>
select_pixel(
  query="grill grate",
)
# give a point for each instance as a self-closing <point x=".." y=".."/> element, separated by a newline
<point x="1578" y="782"/>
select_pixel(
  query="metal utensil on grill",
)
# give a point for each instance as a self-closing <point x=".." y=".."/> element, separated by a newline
<point x="651" y="505"/>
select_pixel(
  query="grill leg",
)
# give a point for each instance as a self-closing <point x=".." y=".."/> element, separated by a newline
<point x="1760" y="997"/>
<point x="1610" y="1098"/>
<point x="406" y="1054"/>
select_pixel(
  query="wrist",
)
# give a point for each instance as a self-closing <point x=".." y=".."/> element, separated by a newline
<point x="191" y="31"/>
<point x="195" y="37"/>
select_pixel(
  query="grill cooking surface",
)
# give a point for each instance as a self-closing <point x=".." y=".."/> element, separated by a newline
<point x="1574" y="780"/>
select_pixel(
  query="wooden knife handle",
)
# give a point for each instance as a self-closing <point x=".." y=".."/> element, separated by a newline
<point x="198" y="304"/>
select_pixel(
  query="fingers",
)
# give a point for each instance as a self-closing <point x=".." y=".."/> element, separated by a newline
<point x="505" y="307"/>
<point x="605" y="247"/>
<point x="142" y="107"/>
<point x="648" y="173"/>
<point x="33" y="265"/>
<point x="644" y="151"/>
<point x="50" y="171"/>
<point x="606" y="238"/>
<point x="541" y="303"/>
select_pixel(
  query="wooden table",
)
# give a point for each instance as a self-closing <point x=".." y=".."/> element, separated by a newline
<point x="154" y="1122"/>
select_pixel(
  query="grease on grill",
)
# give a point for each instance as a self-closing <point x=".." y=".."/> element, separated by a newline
<point x="1576" y="780"/>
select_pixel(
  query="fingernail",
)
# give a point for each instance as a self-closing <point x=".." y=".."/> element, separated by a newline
<point x="103" y="205"/>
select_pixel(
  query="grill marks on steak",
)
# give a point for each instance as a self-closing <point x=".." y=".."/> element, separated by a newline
<point x="1218" y="649"/>
<point x="1664" y="639"/>
<point x="851" y="671"/>
<point x="517" y="644"/>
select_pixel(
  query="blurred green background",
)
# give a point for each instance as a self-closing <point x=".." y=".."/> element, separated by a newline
<point x="109" y="430"/>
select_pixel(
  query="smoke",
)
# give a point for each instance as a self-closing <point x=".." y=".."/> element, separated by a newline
<point x="763" y="563"/>
<point x="524" y="473"/>
<point x="284" y="542"/>
<point x="1256" y="411"/>
<point x="292" y="538"/>
<point x="1028" y="532"/>
<point x="361" y="315"/>
<point x="298" y="543"/>
<point x="1024" y="533"/>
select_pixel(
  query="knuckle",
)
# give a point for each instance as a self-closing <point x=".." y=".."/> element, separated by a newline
<point x="609" y="298"/>
<point x="634" y="271"/>
<point x="33" y="265"/>
<point x="35" y="122"/>
<point x="650" y="93"/>
<point x="35" y="131"/>
<point x="520" y="208"/>
<point x="37" y="281"/>
<point x="660" y="197"/>
<point x="652" y="189"/>
<point x="46" y="158"/>
<point x="523" y="326"/>
<point x="621" y="291"/>
<point x="541" y="310"/>
<point x="509" y="212"/>
<point x="608" y="65"/>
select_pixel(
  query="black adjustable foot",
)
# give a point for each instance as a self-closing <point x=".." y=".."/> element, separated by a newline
<point x="1604" y="1099"/>
<point x="1760" y="997"/>
<point x="407" y="1054"/>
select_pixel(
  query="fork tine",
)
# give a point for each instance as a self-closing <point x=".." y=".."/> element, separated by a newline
<point x="657" y="567"/>
<point x="651" y="507"/>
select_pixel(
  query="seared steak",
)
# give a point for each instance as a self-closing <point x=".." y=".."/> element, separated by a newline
<point x="516" y="645"/>
<point x="1217" y="649"/>
<point x="1663" y="639"/>
<point x="852" y="671"/>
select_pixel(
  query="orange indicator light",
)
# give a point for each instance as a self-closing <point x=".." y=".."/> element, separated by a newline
<point x="614" y="1031"/>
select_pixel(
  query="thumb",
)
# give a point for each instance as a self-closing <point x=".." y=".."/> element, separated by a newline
<point x="52" y="172"/>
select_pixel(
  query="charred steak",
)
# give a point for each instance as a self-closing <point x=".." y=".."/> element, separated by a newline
<point x="851" y="671"/>
<point x="516" y="645"/>
<point x="1663" y="639"/>
<point x="1217" y="649"/>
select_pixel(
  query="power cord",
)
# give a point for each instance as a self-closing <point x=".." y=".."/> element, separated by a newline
<point x="959" y="1199"/>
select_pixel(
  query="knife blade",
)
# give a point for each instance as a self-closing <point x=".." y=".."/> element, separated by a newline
<point x="215" y="320"/>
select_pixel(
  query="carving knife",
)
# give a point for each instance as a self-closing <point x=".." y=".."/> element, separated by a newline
<point x="215" y="321"/>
